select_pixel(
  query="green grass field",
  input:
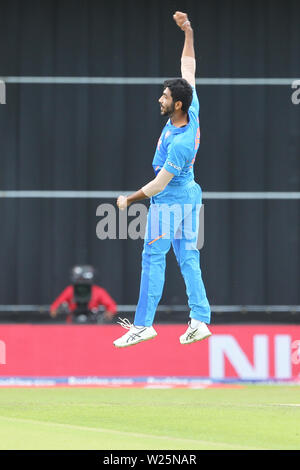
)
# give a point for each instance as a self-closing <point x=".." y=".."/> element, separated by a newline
<point x="253" y="417"/>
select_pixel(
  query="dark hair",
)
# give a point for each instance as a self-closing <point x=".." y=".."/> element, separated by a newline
<point x="180" y="90"/>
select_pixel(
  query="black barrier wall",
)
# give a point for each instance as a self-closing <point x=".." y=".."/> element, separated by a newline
<point x="103" y="137"/>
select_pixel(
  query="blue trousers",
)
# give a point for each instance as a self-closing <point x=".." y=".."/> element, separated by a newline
<point x="173" y="219"/>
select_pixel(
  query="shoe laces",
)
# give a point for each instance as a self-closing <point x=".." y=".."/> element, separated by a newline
<point x="125" y="323"/>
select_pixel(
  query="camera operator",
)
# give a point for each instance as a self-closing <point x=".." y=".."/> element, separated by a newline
<point x="85" y="301"/>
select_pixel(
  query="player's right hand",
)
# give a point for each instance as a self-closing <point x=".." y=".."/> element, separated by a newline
<point x="181" y="19"/>
<point x="122" y="202"/>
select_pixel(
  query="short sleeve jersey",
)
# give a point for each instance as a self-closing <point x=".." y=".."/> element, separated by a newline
<point x="177" y="147"/>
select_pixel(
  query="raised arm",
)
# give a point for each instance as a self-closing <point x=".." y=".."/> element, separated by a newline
<point x="188" y="61"/>
<point x="188" y="69"/>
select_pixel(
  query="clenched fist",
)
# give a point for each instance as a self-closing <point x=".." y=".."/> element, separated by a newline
<point x="122" y="202"/>
<point x="181" y="20"/>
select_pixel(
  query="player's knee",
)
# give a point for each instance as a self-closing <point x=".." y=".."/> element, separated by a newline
<point x="190" y="261"/>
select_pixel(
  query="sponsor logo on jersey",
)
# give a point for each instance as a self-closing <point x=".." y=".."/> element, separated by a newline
<point x="174" y="166"/>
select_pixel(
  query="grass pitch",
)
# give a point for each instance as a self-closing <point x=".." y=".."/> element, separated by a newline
<point x="253" y="417"/>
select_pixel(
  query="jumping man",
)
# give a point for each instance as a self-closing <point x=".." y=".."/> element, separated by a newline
<point x="173" y="186"/>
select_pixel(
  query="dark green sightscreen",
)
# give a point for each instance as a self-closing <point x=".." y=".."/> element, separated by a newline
<point x="103" y="137"/>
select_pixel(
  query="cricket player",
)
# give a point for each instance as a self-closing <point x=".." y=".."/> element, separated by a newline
<point x="173" y="186"/>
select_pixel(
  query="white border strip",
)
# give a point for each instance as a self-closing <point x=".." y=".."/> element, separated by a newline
<point x="115" y="194"/>
<point x="143" y="81"/>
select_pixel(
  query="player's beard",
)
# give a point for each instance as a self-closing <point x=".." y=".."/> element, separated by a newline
<point x="168" y="111"/>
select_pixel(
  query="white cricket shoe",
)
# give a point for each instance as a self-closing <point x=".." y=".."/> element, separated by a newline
<point x="135" y="335"/>
<point x="195" y="334"/>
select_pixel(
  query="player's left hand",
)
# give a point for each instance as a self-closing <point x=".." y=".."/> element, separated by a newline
<point x="122" y="202"/>
<point x="181" y="20"/>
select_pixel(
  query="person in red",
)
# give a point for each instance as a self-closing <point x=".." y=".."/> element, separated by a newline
<point x="83" y="298"/>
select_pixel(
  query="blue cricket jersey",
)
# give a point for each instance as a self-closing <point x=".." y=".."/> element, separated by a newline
<point x="177" y="147"/>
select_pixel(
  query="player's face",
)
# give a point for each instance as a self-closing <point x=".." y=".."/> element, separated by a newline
<point x="166" y="102"/>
